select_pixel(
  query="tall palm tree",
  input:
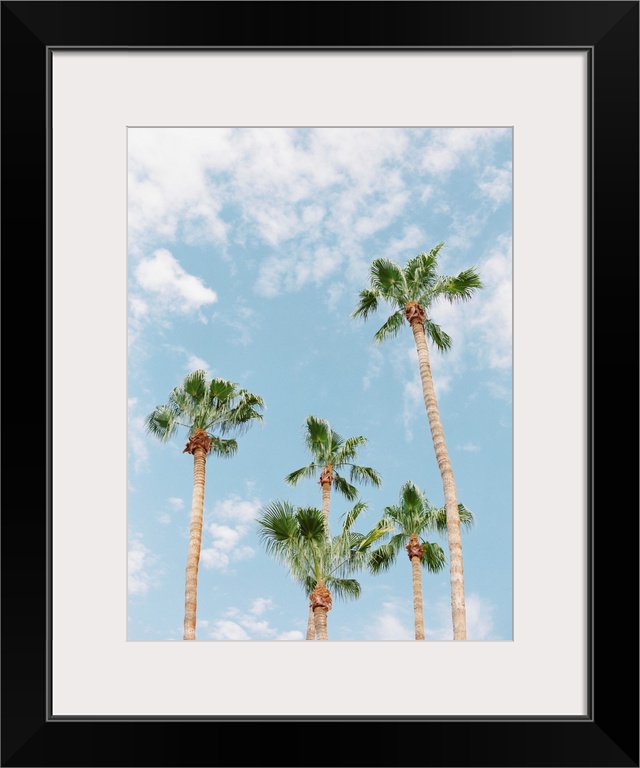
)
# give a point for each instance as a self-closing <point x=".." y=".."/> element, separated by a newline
<point x="296" y="537"/>
<point x="330" y="453"/>
<point x="412" y="517"/>
<point x="411" y="291"/>
<point x="208" y="411"/>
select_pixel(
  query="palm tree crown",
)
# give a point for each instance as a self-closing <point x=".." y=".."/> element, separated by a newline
<point x="408" y="521"/>
<point x="412" y="291"/>
<point x="209" y="409"/>
<point x="323" y="566"/>
<point x="414" y="516"/>
<point x="330" y="453"/>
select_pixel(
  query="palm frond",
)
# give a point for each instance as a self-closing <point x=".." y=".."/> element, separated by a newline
<point x="388" y="280"/>
<point x="391" y="327"/>
<point x="194" y="385"/>
<point x="367" y="305"/>
<point x="420" y="274"/>
<point x="382" y="558"/>
<point x="433" y="557"/>
<point x="224" y="448"/>
<point x="467" y="520"/>
<point x="222" y="391"/>
<point x="350" y="517"/>
<point x="345" y="488"/>
<point x="303" y="473"/>
<point x="310" y="524"/>
<point x="278" y="528"/>
<point x="163" y="422"/>
<point x="441" y="339"/>
<point x="366" y="476"/>
<point x="344" y="589"/>
<point x="240" y="415"/>
<point x="317" y="437"/>
<point x="460" y="287"/>
<point x="348" y="450"/>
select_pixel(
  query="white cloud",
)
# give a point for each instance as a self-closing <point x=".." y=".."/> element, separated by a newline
<point x="335" y="185"/>
<point x="260" y="605"/>
<point x="245" y="625"/>
<point x="388" y="625"/>
<point x="136" y="434"/>
<point x="140" y="567"/>
<point x="409" y="245"/>
<point x="496" y="184"/>
<point x="169" y="183"/>
<point x="162" y="276"/>
<point x="236" y="508"/>
<point x="374" y="367"/>
<point x="228" y="630"/>
<point x="226" y="546"/>
<point x="495" y="305"/>
<point x="450" y="146"/>
<point x="479" y="615"/>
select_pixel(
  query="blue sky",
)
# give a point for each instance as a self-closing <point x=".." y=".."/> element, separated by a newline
<point x="247" y="250"/>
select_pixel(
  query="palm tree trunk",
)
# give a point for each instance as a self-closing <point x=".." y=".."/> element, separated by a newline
<point x="416" y="579"/>
<point x="458" y="609"/>
<point x="320" y="620"/>
<point x="195" y="542"/>
<point x="320" y="603"/>
<point x="311" y="626"/>
<point x="326" y="478"/>
<point x="325" y="484"/>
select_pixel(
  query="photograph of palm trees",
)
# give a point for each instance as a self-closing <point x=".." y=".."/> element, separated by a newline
<point x="320" y="384"/>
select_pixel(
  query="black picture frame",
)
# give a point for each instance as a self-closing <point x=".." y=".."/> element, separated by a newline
<point x="608" y="736"/>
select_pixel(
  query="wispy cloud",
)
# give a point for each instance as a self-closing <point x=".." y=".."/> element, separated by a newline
<point x="393" y="622"/>
<point x="480" y="619"/>
<point x="495" y="305"/>
<point x="142" y="574"/>
<point x="227" y="545"/>
<point x="137" y="436"/>
<point x="451" y="146"/>
<point x="495" y="183"/>
<point x="248" y="624"/>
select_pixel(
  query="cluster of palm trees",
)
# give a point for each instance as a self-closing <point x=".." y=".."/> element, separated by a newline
<point x="214" y="412"/>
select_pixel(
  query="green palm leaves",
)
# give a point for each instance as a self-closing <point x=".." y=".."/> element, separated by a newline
<point x="217" y="407"/>
<point x="419" y="283"/>
<point x="329" y="450"/>
<point x="295" y="537"/>
<point x="409" y="520"/>
<point x="413" y="515"/>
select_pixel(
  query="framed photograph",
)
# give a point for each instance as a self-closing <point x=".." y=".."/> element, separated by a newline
<point x="140" y="137"/>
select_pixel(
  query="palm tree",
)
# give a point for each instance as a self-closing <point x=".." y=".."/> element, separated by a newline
<point x="296" y="537"/>
<point x="410" y="519"/>
<point x="331" y="452"/>
<point x="208" y="410"/>
<point x="411" y="292"/>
